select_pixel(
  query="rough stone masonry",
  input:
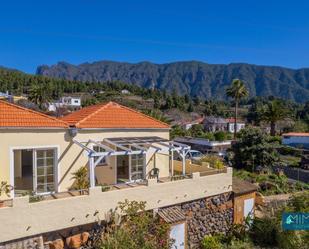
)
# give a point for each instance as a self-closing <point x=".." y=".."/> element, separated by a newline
<point x="208" y="216"/>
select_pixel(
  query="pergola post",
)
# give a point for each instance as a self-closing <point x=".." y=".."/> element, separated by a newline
<point x="183" y="163"/>
<point x="91" y="172"/>
<point x="172" y="163"/>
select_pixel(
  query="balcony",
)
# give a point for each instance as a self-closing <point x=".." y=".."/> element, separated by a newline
<point x="64" y="210"/>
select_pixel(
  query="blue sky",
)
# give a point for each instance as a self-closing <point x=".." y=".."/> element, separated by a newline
<point x="263" y="32"/>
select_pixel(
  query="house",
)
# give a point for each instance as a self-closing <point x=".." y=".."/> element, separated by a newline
<point x="296" y="139"/>
<point x="205" y="145"/>
<point x="231" y="125"/>
<point x="128" y="153"/>
<point x="125" y="91"/>
<point x="213" y="124"/>
<point x="68" y="101"/>
<point x="10" y="97"/>
<point x="5" y="95"/>
<point x="187" y="125"/>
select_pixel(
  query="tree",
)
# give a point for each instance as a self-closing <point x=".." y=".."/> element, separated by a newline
<point x="169" y="103"/>
<point x="190" y="107"/>
<point x="40" y="95"/>
<point x="273" y="112"/>
<point x="253" y="148"/>
<point x="237" y="91"/>
<point x="156" y="102"/>
<point x="197" y="130"/>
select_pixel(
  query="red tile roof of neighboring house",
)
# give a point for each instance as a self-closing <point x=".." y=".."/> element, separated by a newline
<point x="12" y="115"/>
<point x="195" y="121"/>
<point x="296" y="134"/>
<point x="111" y="115"/>
<point x="232" y="120"/>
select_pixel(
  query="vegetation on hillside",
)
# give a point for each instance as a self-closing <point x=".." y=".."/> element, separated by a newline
<point x="266" y="232"/>
<point x="270" y="183"/>
<point x="193" y="78"/>
<point x="157" y="103"/>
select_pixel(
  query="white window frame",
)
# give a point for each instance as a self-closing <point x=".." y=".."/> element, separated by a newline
<point x="104" y="160"/>
<point x="42" y="147"/>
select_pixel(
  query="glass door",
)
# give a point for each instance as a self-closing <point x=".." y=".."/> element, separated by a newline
<point x="137" y="167"/>
<point x="44" y="170"/>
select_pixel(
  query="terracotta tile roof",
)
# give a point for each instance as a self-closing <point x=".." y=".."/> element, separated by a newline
<point x="12" y="115"/>
<point x="111" y="115"/>
<point x="296" y="134"/>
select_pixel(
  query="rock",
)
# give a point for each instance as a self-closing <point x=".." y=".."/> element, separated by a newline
<point x="56" y="244"/>
<point x="76" y="241"/>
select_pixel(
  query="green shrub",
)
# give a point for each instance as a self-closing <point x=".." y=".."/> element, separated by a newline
<point x="137" y="229"/>
<point x="80" y="178"/>
<point x="288" y="150"/>
<point x="220" y="136"/>
<point x="264" y="231"/>
<point x="214" y="161"/>
<point x="211" y="242"/>
<point x="5" y="188"/>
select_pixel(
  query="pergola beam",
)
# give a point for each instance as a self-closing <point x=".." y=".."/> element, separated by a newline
<point x="117" y="145"/>
<point x="101" y="145"/>
<point x="83" y="146"/>
<point x="134" y="144"/>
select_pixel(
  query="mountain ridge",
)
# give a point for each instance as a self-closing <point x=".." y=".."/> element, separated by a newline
<point x="190" y="77"/>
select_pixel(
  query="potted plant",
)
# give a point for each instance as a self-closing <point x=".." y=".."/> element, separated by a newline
<point x="5" y="189"/>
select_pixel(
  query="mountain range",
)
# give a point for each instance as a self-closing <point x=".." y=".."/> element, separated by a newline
<point x="191" y="77"/>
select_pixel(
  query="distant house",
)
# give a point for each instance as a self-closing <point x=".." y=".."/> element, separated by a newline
<point x="68" y="101"/>
<point x="10" y="97"/>
<point x="125" y="91"/>
<point x="205" y="145"/>
<point x="213" y="124"/>
<point x="231" y="125"/>
<point x="5" y="95"/>
<point x="296" y="139"/>
<point x="189" y="124"/>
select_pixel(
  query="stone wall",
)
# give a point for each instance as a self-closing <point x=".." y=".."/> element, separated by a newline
<point x="26" y="243"/>
<point x="208" y="216"/>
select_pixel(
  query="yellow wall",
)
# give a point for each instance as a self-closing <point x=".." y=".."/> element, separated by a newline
<point x="27" y="219"/>
<point x="70" y="156"/>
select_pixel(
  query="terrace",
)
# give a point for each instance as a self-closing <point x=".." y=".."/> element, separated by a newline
<point x="63" y="210"/>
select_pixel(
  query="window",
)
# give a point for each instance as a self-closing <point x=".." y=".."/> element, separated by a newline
<point x="103" y="160"/>
<point x="45" y="163"/>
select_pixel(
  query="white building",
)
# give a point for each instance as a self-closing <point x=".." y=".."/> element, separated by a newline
<point x="231" y="125"/>
<point x="73" y="102"/>
<point x="125" y="91"/>
<point x="296" y="139"/>
<point x="188" y="125"/>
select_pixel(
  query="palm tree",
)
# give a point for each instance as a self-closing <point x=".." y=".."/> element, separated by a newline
<point x="237" y="91"/>
<point x="273" y="112"/>
<point x="39" y="95"/>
